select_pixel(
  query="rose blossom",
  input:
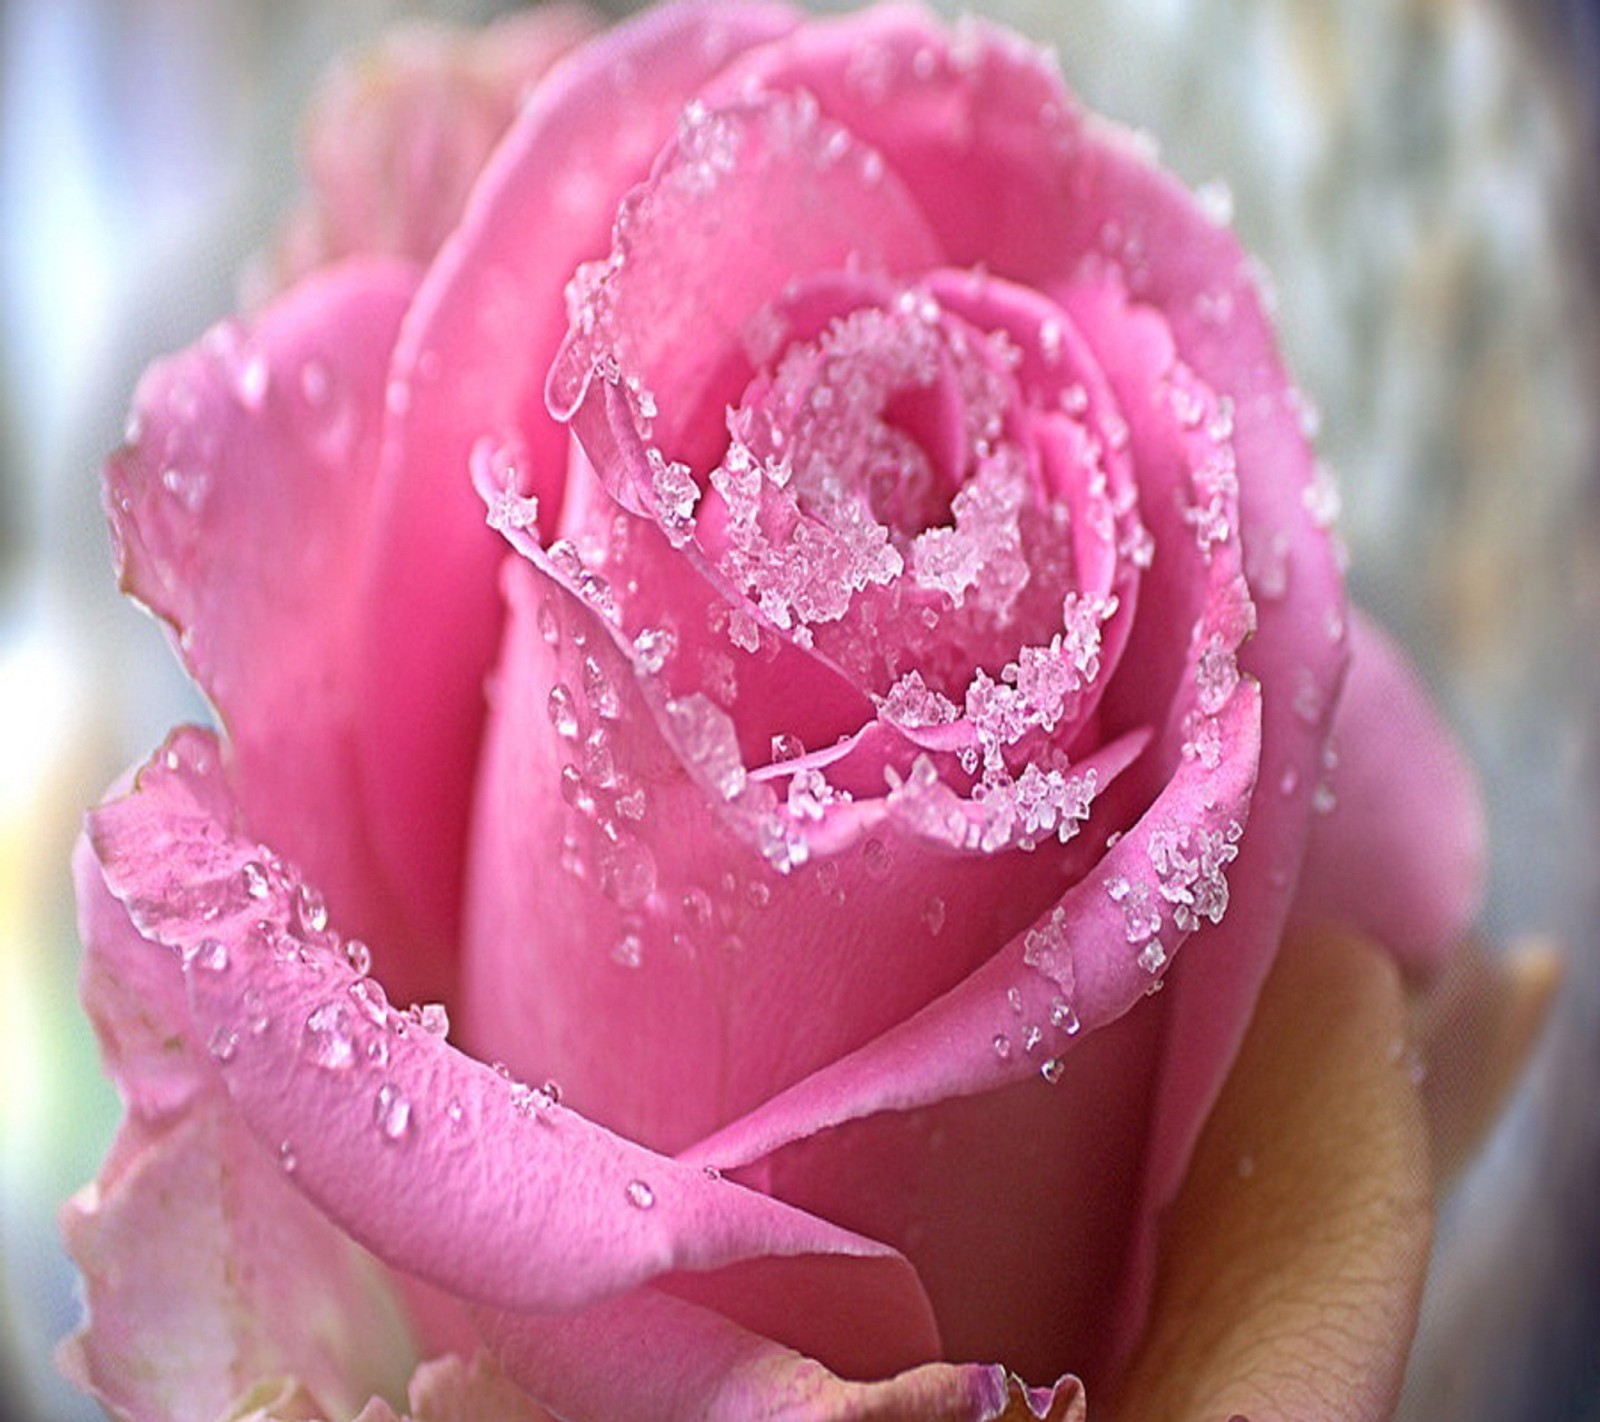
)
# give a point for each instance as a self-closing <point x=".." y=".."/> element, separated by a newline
<point x="912" y="638"/>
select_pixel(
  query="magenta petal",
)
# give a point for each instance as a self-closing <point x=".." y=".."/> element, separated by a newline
<point x="1401" y="853"/>
<point x="241" y="508"/>
<point x="530" y="1205"/>
<point x="647" y="1357"/>
<point x="471" y="366"/>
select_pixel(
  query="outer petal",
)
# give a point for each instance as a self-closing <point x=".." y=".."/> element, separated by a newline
<point x="241" y="509"/>
<point x="206" y="1272"/>
<point x="698" y="1367"/>
<point x="1401" y="853"/>
<point x="1296" y="1251"/>
<point x="395" y="139"/>
<point x="471" y="364"/>
<point x="530" y="1206"/>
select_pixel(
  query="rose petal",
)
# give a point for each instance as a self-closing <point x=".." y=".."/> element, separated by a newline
<point x="471" y="365"/>
<point x="590" y="1367"/>
<point x="240" y="508"/>
<point x="674" y="301"/>
<point x="531" y="1206"/>
<point x="1088" y="962"/>
<point x="1295" y="1254"/>
<point x="1026" y="1283"/>
<point x="206" y="1272"/>
<point x="657" y="916"/>
<point x="136" y="1000"/>
<point x="394" y="140"/>
<point x="1401" y="853"/>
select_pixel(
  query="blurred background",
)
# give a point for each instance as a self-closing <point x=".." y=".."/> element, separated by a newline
<point x="1421" y="181"/>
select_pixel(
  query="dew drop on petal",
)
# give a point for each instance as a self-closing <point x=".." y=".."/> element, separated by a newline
<point x="310" y="911"/>
<point x="330" y="1036"/>
<point x="1002" y="1046"/>
<point x="223" y="1043"/>
<point x="434" y="1019"/>
<point x="563" y="711"/>
<point x="1063" y="1018"/>
<point x="254" y="377"/>
<point x="1051" y="1070"/>
<point x="210" y="954"/>
<point x="640" y="1195"/>
<point x="370" y="997"/>
<point x="358" y="956"/>
<point x="256" y="883"/>
<point x="391" y="1112"/>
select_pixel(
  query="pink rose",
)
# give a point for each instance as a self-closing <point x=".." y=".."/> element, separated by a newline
<point x="912" y="638"/>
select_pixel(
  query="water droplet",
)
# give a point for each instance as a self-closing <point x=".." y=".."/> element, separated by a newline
<point x="697" y="907"/>
<point x="256" y="883"/>
<point x="370" y="997"/>
<point x="628" y="951"/>
<point x="652" y="647"/>
<point x="563" y="711"/>
<point x="1052" y="1070"/>
<point x="1289" y="781"/>
<point x="211" y="954"/>
<point x="255" y="375"/>
<point x="391" y="1112"/>
<point x="456" y="1113"/>
<point x="628" y="872"/>
<point x="286" y="1157"/>
<point x="1063" y="1018"/>
<point x="256" y="1018"/>
<point x="1002" y="1046"/>
<point x="190" y="487"/>
<point x="875" y="854"/>
<point x="358" y="956"/>
<point x="434" y="1019"/>
<point x="223" y="1043"/>
<point x="1014" y="1000"/>
<point x="600" y="689"/>
<point x="1153" y="957"/>
<point x="933" y="914"/>
<point x="330" y="1036"/>
<point x="310" y="912"/>
<point x="640" y="1195"/>
<point x="711" y="1172"/>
